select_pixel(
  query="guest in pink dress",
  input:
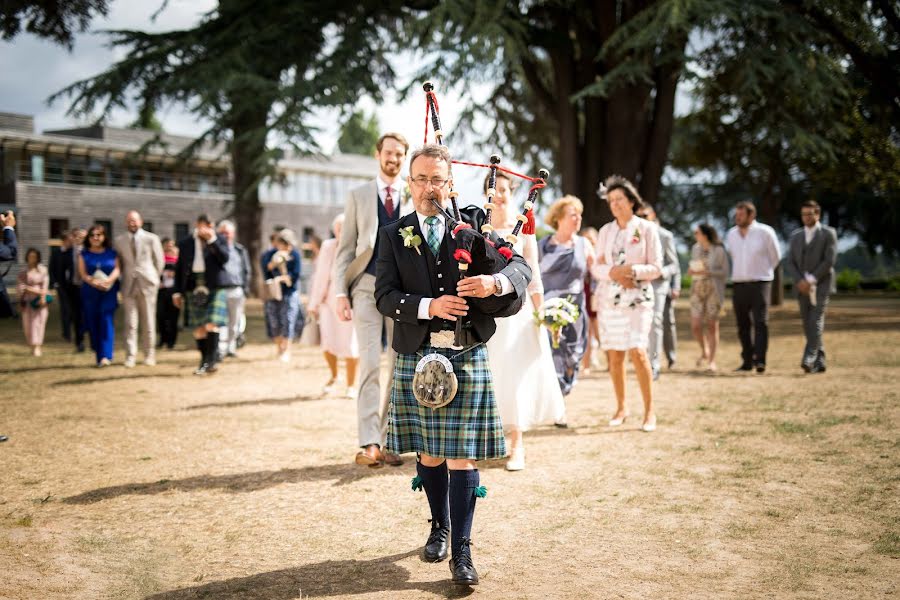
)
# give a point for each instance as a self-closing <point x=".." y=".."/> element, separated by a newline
<point x="338" y="338"/>
<point x="32" y="286"/>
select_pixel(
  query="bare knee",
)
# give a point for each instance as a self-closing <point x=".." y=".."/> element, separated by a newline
<point x="460" y="464"/>
<point x="430" y="461"/>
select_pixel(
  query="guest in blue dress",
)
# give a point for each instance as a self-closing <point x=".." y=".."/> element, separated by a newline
<point x="99" y="268"/>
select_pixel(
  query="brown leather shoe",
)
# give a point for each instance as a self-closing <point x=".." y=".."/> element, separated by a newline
<point x="370" y="455"/>
<point x="392" y="459"/>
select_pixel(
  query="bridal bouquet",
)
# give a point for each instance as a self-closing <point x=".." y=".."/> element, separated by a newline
<point x="556" y="313"/>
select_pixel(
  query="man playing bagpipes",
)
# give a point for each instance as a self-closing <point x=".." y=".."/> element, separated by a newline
<point x="442" y="399"/>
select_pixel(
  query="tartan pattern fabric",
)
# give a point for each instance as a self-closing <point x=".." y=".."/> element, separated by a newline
<point x="469" y="427"/>
<point x="215" y="311"/>
<point x="433" y="241"/>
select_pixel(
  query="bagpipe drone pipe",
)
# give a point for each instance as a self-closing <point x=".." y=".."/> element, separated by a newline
<point x="478" y="250"/>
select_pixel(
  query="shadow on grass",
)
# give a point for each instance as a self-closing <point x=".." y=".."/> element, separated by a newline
<point x="327" y="578"/>
<point x="263" y="402"/>
<point x="39" y="368"/>
<point x="90" y="380"/>
<point x="341" y="473"/>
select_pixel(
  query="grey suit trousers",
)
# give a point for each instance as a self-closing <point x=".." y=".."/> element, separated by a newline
<point x="670" y="334"/>
<point x="371" y="403"/>
<point x="813" y="318"/>
<point x="655" y="345"/>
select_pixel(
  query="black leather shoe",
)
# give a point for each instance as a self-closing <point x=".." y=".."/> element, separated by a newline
<point x="461" y="567"/>
<point x="745" y="367"/>
<point x="817" y="368"/>
<point x="806" y="368"/>
<point x="436" y="546"/>
<point x="760" y="367"/>
<point x="3" y="438"/>
<point x="202" y="369"/>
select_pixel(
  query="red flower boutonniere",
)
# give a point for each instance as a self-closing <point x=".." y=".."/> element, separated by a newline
<point x="636" y="236"/>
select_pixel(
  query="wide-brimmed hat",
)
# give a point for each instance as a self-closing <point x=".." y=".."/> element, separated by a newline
<point x="287" y="236"/>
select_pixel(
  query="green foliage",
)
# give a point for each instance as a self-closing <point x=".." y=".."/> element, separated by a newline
<point x="849" y="280"/>
<point x="359" y="134"/>
<point x="893" y="284"/>
<point x="57" y="20"/>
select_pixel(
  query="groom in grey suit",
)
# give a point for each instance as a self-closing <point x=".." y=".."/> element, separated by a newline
<point x="370" y="207"/>
<point x="810" y="262"/>
<point x="141" y="256"/>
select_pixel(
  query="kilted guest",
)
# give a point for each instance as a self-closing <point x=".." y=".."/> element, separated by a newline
<point x="629" y="256"/>
<point x="198" y="289"/>
<point x="338" y="338"/>
<point x="418" y="287"/>
<point x="32" y="286"/>
<point x="284" y="266"/>
<point x="98" y="268"/>
<point x="526" y="389"/>
<point x="166" y="311"/>
<point x="708" y="270"/>
<point x="565" y="260"/>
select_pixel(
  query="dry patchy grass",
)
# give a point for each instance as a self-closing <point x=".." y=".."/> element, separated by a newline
<point x="152" y="483"/>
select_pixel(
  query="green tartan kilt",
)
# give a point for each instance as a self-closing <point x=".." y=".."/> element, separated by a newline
<point x="215" y="311"/>
<point x="469" y="427"/>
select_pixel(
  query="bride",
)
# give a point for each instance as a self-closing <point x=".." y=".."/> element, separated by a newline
<point x="525" y="382"/>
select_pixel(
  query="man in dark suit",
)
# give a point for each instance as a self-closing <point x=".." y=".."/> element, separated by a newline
<point x="9" y="250"/>
<point x="418" y="285"/>
<point x="200" y="289"/>
<point x="57" y="282"/>
<point x="70" y="284"/>
<point x="812" y="252"/>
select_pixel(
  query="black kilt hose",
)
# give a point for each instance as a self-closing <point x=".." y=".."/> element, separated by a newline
<point x="469" y="427"/>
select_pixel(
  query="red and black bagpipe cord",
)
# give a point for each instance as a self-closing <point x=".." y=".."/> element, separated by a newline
<point x="525" y="221"/>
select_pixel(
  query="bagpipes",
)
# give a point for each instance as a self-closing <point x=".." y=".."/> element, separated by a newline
<point x="477" y="253"/>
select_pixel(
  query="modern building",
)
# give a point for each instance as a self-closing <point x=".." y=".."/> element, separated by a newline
<point x="67" y="178"/>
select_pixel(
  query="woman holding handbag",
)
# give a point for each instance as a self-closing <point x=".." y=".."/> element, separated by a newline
<point x="33" y="283"/>
<point x="282" y="273"/>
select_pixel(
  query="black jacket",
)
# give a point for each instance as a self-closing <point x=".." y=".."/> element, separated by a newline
<point x="403" y="277"/>
<point x="215" y="255"/>
<point x="9" y="248"/>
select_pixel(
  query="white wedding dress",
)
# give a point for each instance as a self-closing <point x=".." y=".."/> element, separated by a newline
<point x="525" y="382"/>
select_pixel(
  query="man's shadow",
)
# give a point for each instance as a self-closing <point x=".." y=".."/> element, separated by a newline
<point x="328" y="578"/>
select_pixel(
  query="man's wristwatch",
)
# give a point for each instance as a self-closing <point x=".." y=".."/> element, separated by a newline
<point x="498" y="285"/>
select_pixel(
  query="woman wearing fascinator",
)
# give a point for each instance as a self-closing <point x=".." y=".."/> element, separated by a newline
<point x="629" y="258"/>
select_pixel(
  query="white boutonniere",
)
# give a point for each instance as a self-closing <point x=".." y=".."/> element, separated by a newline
<point x="410" y="239"/>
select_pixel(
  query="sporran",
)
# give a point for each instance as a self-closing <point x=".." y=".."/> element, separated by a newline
<point x="434" y="384"/>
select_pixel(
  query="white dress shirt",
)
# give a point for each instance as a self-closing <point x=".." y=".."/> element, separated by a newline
<point x="396" y="191"/>
<point x="506" y="285"/>
<point x="755" y="255"/>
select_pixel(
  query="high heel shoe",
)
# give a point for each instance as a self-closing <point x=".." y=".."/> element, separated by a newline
<point x="700" y="361"/>
<point x="516" y="460"/>
<point x="649" y="426"/>
<point x="616" y="421"/>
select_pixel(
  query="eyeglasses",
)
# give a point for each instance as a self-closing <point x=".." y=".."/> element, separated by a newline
<point x="435" y="182"/>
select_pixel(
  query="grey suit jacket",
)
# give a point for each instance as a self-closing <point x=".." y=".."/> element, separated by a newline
<point x="144" y="269"/>
<point x="357" y="244"/>
<point x="670" y="274"/>
<point x="816" y="258"/>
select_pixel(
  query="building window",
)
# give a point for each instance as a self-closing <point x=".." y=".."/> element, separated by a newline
<point x="181" y="231"/>
<point x="107" y="225"/>
<point x="148" y="226"/>
<point x="37" y="169"/>
<point x="57" y="228"/>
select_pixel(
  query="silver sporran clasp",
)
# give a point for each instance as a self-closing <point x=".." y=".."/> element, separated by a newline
<point x="434" y="384"/>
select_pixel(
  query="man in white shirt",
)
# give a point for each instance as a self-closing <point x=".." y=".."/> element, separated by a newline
<point x="754" y="252"/>
<point x="369" y="207"/>
<point x="812" y="252"/>
<point x="141" y="256"/>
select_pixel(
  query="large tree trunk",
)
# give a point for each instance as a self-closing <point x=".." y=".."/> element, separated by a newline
<point x="247" y="150"/>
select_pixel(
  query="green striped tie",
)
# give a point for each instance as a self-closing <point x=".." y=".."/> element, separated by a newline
<point x="434" y="242"/>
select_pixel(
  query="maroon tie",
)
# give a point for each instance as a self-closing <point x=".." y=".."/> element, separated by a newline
<point x="388" y="202"/>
